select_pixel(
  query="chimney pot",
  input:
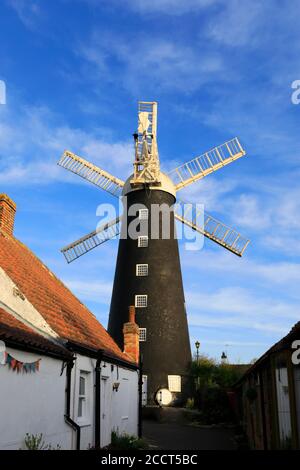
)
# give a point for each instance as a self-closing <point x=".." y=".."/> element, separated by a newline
<point x="131" y="314"/>
<point x="7" y="214"/>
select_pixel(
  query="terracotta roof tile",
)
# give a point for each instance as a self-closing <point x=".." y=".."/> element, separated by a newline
<point x="66" y="315"/>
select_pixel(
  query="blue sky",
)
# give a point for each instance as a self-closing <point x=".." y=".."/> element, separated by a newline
<point x="74" y="71"/>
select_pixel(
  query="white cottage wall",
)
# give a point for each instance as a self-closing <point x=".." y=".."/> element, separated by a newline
<point x="120" y="398"/>
<point x="33" y="403"/>
<point x="119" y="403"/>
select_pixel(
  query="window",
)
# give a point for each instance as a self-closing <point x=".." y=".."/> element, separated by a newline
<point x="142" y="241"/>
<point x="142" y="269"/>
<point x="143" y="334"/>
<point x="82" y="395"/>
<point x="141" y="300"/>
<point x="143" y="214"/>
<point x="174" y="382"/>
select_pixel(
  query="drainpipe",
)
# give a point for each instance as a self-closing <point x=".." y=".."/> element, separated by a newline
<point x="98" y="400"/>
<point x="140" y="428"/>
<point x="68" y="418"/>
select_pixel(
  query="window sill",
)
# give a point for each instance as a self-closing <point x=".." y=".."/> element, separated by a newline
<point x="83" y="422"/>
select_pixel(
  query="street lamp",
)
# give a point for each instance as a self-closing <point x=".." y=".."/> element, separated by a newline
<point x="197" y="344"/>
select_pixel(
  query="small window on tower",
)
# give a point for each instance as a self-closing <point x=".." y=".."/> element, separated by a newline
<point x="141" y="301"/>
<point x="143" y="334"/>
<point x="143" y="214"/>
<point x="142" y="241"/>
<point x="142" y="269"/>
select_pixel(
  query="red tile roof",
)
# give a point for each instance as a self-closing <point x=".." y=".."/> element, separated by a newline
<point x="13" y="331"/>
<point x="66" y="315"/>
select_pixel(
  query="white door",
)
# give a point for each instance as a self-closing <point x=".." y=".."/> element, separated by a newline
<point x="144" y="390"/>
<point x="283" y="403"/>
<point x="297" y="394"/>
<point x="105" y="410"/>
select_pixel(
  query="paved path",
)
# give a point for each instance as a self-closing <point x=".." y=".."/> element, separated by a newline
<point x="173" y="436"/>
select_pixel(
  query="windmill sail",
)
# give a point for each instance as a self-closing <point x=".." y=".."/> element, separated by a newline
<point x="207" y="163"/>
<point x="92" y="173"/>
<point x="92" y="240"/>
<point x="211" y="228"/>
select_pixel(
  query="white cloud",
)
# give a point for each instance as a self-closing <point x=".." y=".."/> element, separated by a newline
<point x="246" y="211"/>
<point x="282" y="273"/>
<point x="31" y="144"/>
<point x="151" y="63"/>
<point x="208" y="191"/>
<point x="98" y="291"/>
<point x="237" y="22"/>
<point x="27" y="10"/>
<point x="228" y="342"/>
<point x="167" y="7"/>
<point x="283" y="244"/>
<point x="237" y="308"/>
<point x="240" y="301"/>
<point x="236" y="322"/>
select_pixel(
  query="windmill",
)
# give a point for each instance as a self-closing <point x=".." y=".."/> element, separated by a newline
<point x="148" y="273"/>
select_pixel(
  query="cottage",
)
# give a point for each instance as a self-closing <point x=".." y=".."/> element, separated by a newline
<point x="269" y="396"/>
<point x="61" y="374"/>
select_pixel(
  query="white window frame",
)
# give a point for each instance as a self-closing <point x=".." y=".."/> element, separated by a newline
<point x="142" y="270"/>
<point x="143" y="214"/>
<point x="143" y="241"/>
<point x="142" y="335"/>
<point x="174" y="383"/>
<point x="138" y="300"/>
<point x="83" y="398"/>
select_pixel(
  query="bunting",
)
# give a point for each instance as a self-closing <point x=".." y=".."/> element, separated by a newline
<point x="19" y="366"/>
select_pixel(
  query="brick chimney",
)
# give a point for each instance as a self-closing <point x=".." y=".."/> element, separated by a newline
<point x="7" y="214"/>
<point x="131" y="337"/>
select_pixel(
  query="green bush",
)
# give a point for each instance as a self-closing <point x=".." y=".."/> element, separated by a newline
<point x="209" y="372"/>
<point x="212" y="380"/>
<point x="190" y="404"/>
<point x="125" y="441"/>
<point x="212" y="402"/>
<point x="36" y="442"/>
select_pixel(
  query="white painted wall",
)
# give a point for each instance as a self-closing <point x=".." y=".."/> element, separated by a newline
<point x="119" y="409"/>
<point x="33" y="403"/>
<point x="12" y="299"/>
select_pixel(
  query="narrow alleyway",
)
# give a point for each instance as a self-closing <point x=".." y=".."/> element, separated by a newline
<point x="175" y="436"/>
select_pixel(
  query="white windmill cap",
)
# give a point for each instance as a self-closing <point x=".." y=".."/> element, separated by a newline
<point x="166" y="185"/>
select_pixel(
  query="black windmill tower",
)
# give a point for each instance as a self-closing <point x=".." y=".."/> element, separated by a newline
<point x="148" y="272"/>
